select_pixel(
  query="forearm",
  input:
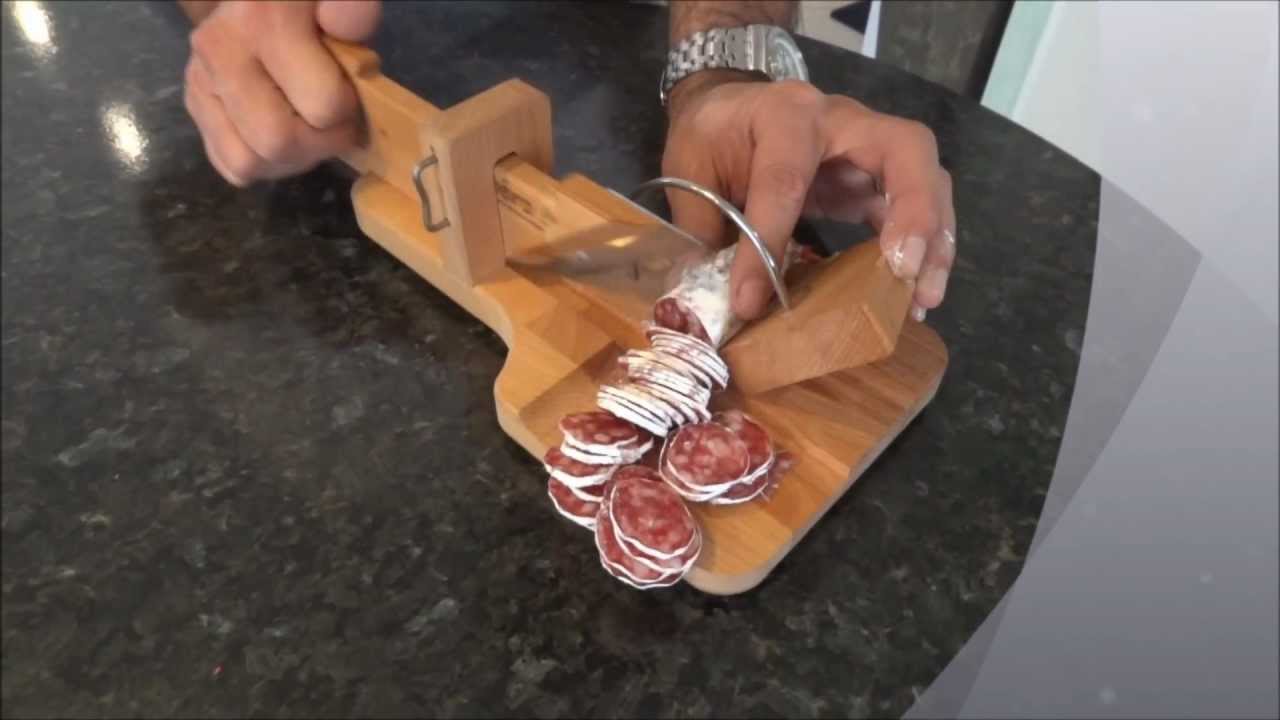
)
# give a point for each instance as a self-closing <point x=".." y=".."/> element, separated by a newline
<point x="691" y="16"/>
<point x="197" y="10"/>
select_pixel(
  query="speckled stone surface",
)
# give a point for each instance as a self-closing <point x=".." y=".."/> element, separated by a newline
<point x="251" y="464"/>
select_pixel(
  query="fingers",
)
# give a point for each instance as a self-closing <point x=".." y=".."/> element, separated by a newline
<point x="904" y="154"/>
<point x="784" y="162"/>
<point x="690" y="212"/>
<point x="310" y="79"/>
<point x="844" y="193"/>
<point x="350" y="20"/>
<point x="269" y="99"/>
<point x="931" y="287"/>
<point x="228" y="154"/>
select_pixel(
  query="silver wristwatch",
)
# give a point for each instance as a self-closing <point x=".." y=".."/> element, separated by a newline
<point x="766" y="49"/>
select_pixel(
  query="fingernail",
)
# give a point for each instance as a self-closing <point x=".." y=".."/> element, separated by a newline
<point x="906" y="256"/>
<point x="917" y="313"/>
<point x="933" y="284"/>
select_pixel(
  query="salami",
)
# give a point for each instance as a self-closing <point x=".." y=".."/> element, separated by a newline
<point x="761" y="487"/>
<point x="744" y="491"/>
<point x="691" y="351"/>
<point x="689" y="410"/>
<point x="680" y="562"/>
<point x="620" y="455"/>
<point x="573" y="473"/>
<point x="759" y="446"/>
<point x="658" y="369"/>
<point x="660" y="361"/>
<point x="628" y="406"/>
<point x="591" y="493"/>
<point x="699" y="304"/>
<point x="652" y="517"/>
<point x="707" y="457"/>
<point x="637" y="471"/>
<point x="641" y="396"/>
<point x="671" y="313"/>
<point x="621" y="564"/>
<point x="595" y="429"/>
<point x="579" y="511"/>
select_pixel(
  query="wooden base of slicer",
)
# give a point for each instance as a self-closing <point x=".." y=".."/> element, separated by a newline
<point x="491" y="197"/>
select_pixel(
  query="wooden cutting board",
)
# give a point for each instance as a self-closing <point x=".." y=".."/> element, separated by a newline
<point x="487" y="193"/>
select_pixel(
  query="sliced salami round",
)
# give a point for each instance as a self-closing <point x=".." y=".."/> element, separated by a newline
<point x="762" y="486"/>
<point x="672" y="314"/>
<point x="642" y="472"/>
<point x="744" y="491"/>
<point x="619" y="563"/>
<point x="689" y="410"/>
<point x="581" y="512"/>
<point x="674" y="362"/>
<point x="759" y="445"/>
<point x="692" y="351"/>
<point x="658" y="405"/>
<point x="659" y="412"/>
<point x="574" y="473"/>
<point x="620" y="455"/>
<point x="708" y="456"/>
<point x="591" y="493"/>
<point x="611" y="457"/>
<point x="659" y="369"/>
<point x="652" y="517"/>
<point x="631" y="412"/>
<point x="594" y="428"/>
<point x="621" y="577"/>
<point x="680" y="562"/>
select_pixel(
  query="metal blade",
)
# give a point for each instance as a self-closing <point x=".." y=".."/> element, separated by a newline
<point x="608" y="247"/>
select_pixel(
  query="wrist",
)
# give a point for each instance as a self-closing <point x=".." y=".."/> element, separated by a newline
<point x="700" y="83"/>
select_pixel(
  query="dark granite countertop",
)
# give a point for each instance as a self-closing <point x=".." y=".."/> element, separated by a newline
<point x="251" y="463"/>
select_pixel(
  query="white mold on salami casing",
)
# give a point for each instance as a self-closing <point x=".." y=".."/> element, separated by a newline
<point x="703" y="288"/>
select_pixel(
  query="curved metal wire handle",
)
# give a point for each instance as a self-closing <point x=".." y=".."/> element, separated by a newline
<point x="770" y="265"/>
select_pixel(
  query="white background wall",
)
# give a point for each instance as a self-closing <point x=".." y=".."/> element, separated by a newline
<point x="1176" y="103"/>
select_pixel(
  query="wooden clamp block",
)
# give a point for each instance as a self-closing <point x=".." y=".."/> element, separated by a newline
<point x="469" y="139"/>
<point x="847" y="311"/>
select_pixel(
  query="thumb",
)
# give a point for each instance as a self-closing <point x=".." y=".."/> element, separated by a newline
<point x="349" y="20"/>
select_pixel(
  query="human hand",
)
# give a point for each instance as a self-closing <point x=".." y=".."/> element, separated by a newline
<point x="269" y="99"/>
<point x="782" y="150"/>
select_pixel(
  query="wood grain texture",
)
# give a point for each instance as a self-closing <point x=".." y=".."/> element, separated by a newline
<point x="393" y="119"/>
<point x="564" y="341"/>
<point x="845" y="314"/>
<point x="469" y="139"/>
<point x="564" y="337"/>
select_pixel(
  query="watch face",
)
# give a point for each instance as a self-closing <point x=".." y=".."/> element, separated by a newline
<point x="785" y="60"/>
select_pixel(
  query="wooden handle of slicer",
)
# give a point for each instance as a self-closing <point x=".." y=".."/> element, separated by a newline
<point x="393" y="116"/>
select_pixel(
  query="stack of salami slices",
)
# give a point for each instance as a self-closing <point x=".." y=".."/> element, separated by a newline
<point x="601" y="476"/>
<point x="668" y="384"/>
<point x="725" y="461"/>
<point x="595" y="445"/>
<point x="645" y="534"/>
